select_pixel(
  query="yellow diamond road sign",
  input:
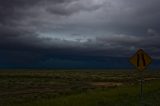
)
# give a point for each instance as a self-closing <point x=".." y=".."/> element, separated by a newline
<point x="141" y="60"/>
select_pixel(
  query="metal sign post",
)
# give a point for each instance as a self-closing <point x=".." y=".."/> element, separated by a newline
<point x="141" y="60"/>
<point x="141" y="89"/>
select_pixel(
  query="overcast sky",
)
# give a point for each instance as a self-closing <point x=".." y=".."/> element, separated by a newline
<point x="40" y="32"/>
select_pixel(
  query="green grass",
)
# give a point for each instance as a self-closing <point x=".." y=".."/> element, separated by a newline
<point x="121" y="96"/>
<point x="74" y="88"/>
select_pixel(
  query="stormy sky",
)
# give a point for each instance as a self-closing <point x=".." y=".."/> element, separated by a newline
<point x="77" y="33"/>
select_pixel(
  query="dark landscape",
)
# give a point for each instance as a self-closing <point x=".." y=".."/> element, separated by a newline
<point x="77" y="87"/>
<point x="79" y="52"/>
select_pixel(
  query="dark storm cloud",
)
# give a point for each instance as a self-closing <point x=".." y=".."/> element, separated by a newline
<point x="38" y="29"/>
<point x="69" y="8"/>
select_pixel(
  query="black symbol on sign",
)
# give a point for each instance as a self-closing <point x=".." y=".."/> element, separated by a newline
<point x="141" y="57"/>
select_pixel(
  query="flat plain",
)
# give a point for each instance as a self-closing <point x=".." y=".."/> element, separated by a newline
<point x="78" y="87"/>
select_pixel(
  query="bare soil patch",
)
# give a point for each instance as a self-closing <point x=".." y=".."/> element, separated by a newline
<point x="106" y="84"/>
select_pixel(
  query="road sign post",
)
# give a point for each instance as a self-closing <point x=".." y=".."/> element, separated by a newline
<point x="141" y="84"/>
<point x="141" y="60"/>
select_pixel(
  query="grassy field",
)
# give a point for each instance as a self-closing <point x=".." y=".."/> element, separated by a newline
<point x="77" y="88"/>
